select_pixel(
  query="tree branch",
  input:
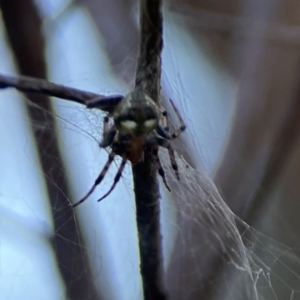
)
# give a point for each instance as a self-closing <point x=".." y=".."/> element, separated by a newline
<point x="144" y="173"/>
<point x="40" y="86"/>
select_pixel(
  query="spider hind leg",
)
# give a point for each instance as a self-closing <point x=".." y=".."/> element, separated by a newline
<point x="165" y="123"/>
<point x="166" y="144"/>
<point x="160" y="169"/>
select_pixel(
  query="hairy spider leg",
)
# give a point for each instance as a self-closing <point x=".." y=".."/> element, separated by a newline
<point x="109" y="134"/>
<point x="99" y="179"/>
<point x="165" y="122"/>
<point x="116" y="179"/>
<point x="166" y="144"/>
<point x="105" y="125"/>
<point x="182" y="124"/>
<point x="160" y="169"/>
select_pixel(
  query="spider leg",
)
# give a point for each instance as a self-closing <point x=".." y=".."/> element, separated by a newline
<point x="160" y="169"/>
<point x="162" y="132"/>
<point x="108" y="133"/>
<point x="154" y="141"/>
<point x="164" y="129"/>
<point x="117" y="178"/>
<point x="105" y="125"/>
<point x="166" y="144"/>
<point x="173" y="162"/>
<point x="182" y="124"/>
<point x="99" y="178"/>
<point x="165" y="122"/>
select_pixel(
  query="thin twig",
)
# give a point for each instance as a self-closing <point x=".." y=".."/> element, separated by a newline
<point x="40" y="86"/>
<point x="144" y="173"/>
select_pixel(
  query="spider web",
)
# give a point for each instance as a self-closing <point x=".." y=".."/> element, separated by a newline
<point x="211" y="247"/>
<point x="206" y="247"/>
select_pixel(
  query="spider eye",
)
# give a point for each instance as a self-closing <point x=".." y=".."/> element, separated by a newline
<point x="150" y="123"/>
<point x="128" y="124"/>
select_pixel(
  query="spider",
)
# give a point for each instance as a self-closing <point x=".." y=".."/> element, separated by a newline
<point x="136" y="126"/>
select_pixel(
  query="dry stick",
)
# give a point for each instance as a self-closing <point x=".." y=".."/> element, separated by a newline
<point x="41" y="86"/>
<point x="145" y="173"/>
<point x="27" y="42"/>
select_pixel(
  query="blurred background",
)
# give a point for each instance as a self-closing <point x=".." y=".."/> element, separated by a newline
<point x="230" y="227"/>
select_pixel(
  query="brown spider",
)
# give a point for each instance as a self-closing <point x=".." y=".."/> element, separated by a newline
<point x="136" y="126"/>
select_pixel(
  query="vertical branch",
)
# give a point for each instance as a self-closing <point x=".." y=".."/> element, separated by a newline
<point x="144" y="173"/>
<point x="24" y="33"/>
<point x="149" y="62"/>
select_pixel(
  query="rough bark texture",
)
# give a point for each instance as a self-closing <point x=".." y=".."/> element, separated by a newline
<point x="144" y="173"/>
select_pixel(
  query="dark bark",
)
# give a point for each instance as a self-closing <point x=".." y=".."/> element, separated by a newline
<point x="144" y="173"/>
<point x="40" y="86"/>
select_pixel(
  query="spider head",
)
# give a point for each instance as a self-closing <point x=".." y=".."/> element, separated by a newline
<point x="136" y="114"/>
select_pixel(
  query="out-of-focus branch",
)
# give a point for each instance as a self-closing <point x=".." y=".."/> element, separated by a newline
<point x="23" y="25"/>
<point x="284" y="143"/>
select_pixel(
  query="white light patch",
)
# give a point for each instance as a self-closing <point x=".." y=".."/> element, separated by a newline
<point x="128" y="124"/>
<point x="150" y="123"/>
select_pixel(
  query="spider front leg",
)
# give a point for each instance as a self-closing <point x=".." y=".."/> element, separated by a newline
<point x="116" y="179"/>
<point x="109" y="136"/>
<point x="99" y="178"/>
